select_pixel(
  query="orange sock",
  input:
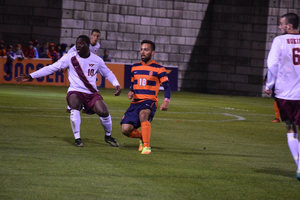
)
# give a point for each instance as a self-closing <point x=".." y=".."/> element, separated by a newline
<point x="135" y="134"/>
<point x="276" y="109"/>
<point x="146" y="131"/>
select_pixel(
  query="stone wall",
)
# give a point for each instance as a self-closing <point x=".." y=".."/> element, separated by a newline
<point x="22" y="21"/>
<point x="220" y="46"/>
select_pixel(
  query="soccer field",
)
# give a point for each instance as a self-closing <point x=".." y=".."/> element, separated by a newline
<point x="203" y="147"/>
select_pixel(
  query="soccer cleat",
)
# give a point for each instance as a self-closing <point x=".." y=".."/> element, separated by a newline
<point x="276" y="120"/>
<point x="78" y="143"/>
<point x="298" y="175"/>
<point x="141" y="145"/>
<point x="146" y="150"/>
<point x="110" y="140"/>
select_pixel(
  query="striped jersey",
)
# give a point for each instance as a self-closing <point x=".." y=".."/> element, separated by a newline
<point x="284" y="67"/>
<point x="146" y="80"/>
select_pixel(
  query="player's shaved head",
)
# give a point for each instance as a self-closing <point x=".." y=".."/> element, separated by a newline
<point x="85" y="38"/>
<point x="292" y="18"/>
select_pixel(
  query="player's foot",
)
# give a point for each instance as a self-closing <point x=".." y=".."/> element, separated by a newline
<point x="110" y="140"/>
<point x="276" y="120"/>
<point x="298" y="175"/>
<point x="141" y="145"/>
<point x="146" y="150"/>
<point x="83" y="111"/>
<point x="68" y="110"/>
<point x="78" y="143"/>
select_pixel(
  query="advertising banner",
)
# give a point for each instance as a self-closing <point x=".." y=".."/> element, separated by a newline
<point x="60" y="78"/>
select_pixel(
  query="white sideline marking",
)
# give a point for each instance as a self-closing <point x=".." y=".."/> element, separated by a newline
<point x="237" y="118"/>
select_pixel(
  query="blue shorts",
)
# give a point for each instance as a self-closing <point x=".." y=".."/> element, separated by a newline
<point x="131" y="115"/>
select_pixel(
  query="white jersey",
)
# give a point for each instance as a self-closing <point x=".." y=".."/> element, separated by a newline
<point x="93" y="49"/>
<point x="82" y="72"/>
<point x="284" y="67"/>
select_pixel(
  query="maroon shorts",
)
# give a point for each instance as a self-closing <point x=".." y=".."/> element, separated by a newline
<point x="289" y="110"/>
<point x="88" y="100"/>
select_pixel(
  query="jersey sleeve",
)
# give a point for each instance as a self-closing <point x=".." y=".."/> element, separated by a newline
<point x="162" y="75"/>
<point x="107" y="73"/>
<point x="47" y="70"/>
<point x="273" y="62"/>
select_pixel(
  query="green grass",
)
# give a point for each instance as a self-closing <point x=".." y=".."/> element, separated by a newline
<point x="204" y="147"/>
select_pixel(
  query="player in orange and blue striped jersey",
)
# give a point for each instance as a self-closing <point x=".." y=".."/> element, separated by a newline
<point x="146" y="78"/>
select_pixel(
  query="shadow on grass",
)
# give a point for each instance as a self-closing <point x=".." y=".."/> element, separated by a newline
<point x="130" y="147"/>
<point x="71" y="140"/>
<point x="160" y="150"/>
<point x="276" y="171"/>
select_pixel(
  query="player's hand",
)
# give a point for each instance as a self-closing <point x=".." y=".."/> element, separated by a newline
<point x="164" y="106"/>
<point x="130" y="94"/>
<point x="23" y="78"/>
<point x="268" y="91"/>
<point x="118" y="89"/>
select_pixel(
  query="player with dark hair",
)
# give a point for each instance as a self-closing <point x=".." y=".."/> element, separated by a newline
<point x="284" y="71"/>
<point x="146" y="77"/>
<point x="83" y="69"/>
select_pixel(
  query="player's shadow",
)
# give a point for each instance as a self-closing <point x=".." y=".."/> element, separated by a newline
<point x="130" y="147"/>
<point x="276" y="171"/>
<point x="71" y="140"/>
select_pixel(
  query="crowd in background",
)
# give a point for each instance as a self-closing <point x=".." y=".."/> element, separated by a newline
<point x="32" y="50"/>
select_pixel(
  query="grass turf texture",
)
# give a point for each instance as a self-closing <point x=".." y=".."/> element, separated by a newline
<point x="204" y="147"/>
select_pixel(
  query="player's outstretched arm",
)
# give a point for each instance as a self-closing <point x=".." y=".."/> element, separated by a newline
<point x="23" y="78"/>
<point x="118" y="89"/>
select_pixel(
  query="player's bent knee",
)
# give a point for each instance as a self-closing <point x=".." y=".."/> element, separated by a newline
<point x="126" y="130"/>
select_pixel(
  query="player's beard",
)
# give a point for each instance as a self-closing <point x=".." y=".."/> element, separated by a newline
<point x="146" y="58"/>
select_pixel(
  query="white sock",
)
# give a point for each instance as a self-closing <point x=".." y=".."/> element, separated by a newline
<point x="75" y="122"/>
<point x="292" y="139"/>
<point x="107" y="124"/>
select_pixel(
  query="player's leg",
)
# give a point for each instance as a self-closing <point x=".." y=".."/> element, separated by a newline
<point x="286" y="108"/>
<point x="146" y="130"/>
<point x="75" y="104"/>
<point x="292" y="139"/>
<point x="101" y="110"/>
<point x="277" y="113"/>
<point x="130" y="131"/>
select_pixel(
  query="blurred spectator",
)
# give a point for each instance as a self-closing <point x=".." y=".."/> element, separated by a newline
<point x="63" y="50"/>
<point x="29" y="51"/>
<point x="45" y="55"/>
<point x="2" y="49"/>
<point x="10" y="58"/>
<point x="19" y="53"/>
<point x="105" y="56"/>
<point x="52" y="53"/>
<point x="58" y="49"/>
<point x="35" y="47"/>
<point x="42" y="49"/>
